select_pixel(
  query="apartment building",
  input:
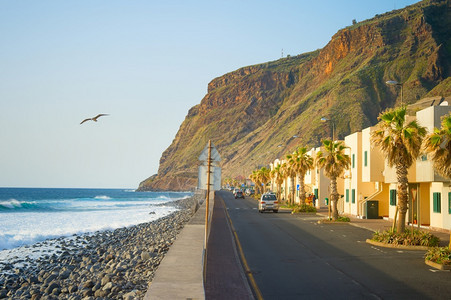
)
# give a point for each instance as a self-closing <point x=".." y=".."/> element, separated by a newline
<point x="371" y="182"/>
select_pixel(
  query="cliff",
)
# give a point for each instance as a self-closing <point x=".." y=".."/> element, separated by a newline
<point x="258" y="113"/>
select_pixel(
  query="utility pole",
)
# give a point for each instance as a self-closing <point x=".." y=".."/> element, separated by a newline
<point x="207" y="200"/>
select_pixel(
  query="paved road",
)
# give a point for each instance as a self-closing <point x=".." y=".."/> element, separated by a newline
<point x="294" y="257"/>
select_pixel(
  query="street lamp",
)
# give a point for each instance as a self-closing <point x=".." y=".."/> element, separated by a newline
<point x="393" y="82"/>
<point x="324" y="119"/>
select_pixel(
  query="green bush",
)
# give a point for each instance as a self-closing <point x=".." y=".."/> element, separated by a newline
<point x="302" y="208"/>
<point x="341" y="219"/>
<point x="418" y="238"/>
<point x="440" y="255"/>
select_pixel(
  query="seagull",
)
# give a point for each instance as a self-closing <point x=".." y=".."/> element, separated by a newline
<point x="94" y="118"/>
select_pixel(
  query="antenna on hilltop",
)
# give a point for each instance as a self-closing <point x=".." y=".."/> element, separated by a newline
<point x="282" y="52"/>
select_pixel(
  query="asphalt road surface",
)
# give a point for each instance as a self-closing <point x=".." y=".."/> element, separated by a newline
<point x="294" y="257"/>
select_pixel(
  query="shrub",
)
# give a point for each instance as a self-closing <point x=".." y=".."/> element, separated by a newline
<point x="302" y="208"/>
<point x="406" y="238"/>
<point x="440" y="255"/>
<point x="341" y="219"/>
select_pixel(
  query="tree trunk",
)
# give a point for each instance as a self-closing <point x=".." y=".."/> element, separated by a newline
<point x="292" y="192"/>
<point x="334" y="198"/>
<point x="302" y="189"/>
<point x="279" y="192"/>
<point x="401" y="174"/>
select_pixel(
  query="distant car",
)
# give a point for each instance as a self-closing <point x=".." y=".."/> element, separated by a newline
<point x="268" y="202"/>
<point x="239" y="194"/>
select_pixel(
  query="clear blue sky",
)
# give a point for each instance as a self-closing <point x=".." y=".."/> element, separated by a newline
<point x="143" y="62"/>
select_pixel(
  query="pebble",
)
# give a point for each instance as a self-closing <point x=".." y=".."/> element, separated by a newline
<point x="117" y="264"/>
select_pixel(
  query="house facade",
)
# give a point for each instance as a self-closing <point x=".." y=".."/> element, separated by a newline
<point x="369" y="187"/>
<point x="371" y="183"/>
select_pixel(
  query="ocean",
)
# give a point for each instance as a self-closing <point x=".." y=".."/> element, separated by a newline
<point x="32" y="215"/>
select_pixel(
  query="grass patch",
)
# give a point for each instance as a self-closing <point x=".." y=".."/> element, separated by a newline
<point x="302" y="208"/>
<point x="406" y="238"/>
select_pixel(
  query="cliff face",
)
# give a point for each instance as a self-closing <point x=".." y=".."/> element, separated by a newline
<point x="259" y="113"/>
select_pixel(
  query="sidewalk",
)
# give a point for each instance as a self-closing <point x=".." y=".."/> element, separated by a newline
<point x="381" y="225"/>
<point x="180" y="274"/>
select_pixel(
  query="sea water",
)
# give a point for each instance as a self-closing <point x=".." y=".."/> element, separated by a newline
<point x="31" y="215"/>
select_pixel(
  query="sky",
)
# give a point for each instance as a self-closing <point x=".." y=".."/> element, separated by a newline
<point x="143" y="62"/>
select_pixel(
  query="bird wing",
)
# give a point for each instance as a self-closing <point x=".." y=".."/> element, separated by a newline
<point x="85" y="120"/>
<point x="98" y="116"/>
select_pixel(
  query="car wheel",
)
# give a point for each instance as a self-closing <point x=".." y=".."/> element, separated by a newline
<point x="276" y="210"/>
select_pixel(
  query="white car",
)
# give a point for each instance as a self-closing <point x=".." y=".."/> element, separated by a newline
<point x="268" y="202"/>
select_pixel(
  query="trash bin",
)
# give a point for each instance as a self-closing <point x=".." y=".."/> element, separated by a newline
<point x="372" y="209"/>
<point x="327" y="201"/>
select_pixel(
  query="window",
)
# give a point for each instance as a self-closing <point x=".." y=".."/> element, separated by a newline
<point x="392" y="197"/>
<point x="424" y="157"/>
<point x="353" y="196"/>
<point x="365" y="158"/>
<point x="449" y="202"/>
<point x="347" y="195"/>
<point x="353" y="161"/>
<point x="269" y="197"/>
<point x="437" y="202"/>
<point x="315" y="191"/>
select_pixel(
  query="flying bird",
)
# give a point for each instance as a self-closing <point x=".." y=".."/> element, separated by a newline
<point x="94" y="118"/>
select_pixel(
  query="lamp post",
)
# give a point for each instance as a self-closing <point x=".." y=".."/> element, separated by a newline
<point x="393" y="82"/>
<point x="324" y="119"/>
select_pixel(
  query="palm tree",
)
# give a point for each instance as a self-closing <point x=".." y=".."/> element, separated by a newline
<point x="334" y="161"/>
<point x="278" y="176"/>
<point x="264" y="176"/>
<point x="438" y="147"/>
<point x="291" y="169"/>
<point x="301" y="162"/>
<point x="256" y="180"/>
<point x="289" y="172"/>
<point x="400" y="142"/>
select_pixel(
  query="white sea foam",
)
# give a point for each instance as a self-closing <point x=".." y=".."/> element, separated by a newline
<point x="10" y="204"/>
<point x="20" y="228"/>
<point x="103" y="197"/>
<point x="56" y="213"/>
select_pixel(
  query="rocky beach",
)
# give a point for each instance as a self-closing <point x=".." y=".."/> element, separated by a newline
<point x="117" y="264"/>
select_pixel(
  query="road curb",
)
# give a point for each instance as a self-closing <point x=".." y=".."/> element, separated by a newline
<point x="404" y="247"/>
<point x="437" y="265"/>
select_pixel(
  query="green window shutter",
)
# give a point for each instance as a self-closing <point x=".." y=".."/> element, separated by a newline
<point x="365" y="157"/>
<point x="315" y="191"/>
<point x="353" y="195"/>
<point x="353" y="161"/>
<point x="449" y="202"/>
<point x="347" y="195"/>
<point x="437" y="202"/>
<point x="392" y="197"/>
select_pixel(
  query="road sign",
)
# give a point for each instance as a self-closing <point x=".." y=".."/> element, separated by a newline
<point x="215" y="178"/>
<point x="297" y="187"/>
<point x="215" y="157"/>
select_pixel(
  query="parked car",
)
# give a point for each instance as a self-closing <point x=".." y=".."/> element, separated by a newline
<point x="239" y="194"/>
<point x="268" y="202"/>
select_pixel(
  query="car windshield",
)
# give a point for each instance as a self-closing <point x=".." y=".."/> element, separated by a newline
<point x="269" y="197"/>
